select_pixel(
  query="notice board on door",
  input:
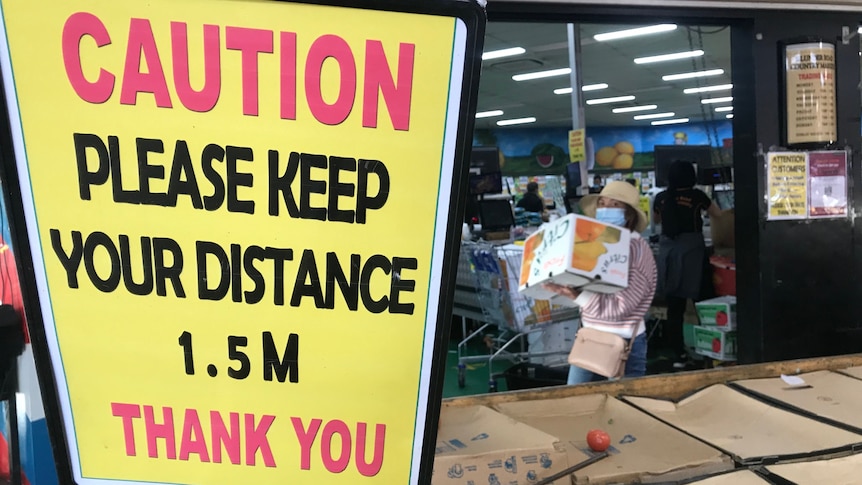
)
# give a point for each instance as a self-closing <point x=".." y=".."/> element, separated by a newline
<point x="235" y="215"/>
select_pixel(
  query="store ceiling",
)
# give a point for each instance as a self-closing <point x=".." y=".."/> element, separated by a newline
<point x="610" y="62"/>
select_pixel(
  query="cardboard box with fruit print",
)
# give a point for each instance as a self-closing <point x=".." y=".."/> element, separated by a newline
<point x="718" y="312"/>
<point x="712" y="342"/>
<point x="575" y="251"/>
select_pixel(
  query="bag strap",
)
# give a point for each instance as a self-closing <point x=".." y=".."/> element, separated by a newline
<point x="630" y="342"/>
<point x="627" y="350"/>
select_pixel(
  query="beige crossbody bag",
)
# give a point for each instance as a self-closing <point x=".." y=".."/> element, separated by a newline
<point x="601" y="352"/>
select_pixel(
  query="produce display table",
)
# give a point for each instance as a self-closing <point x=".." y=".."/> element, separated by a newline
<point x="739" y="424"/>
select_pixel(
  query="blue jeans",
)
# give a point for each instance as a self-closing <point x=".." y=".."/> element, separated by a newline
<point x="635" y="366"/>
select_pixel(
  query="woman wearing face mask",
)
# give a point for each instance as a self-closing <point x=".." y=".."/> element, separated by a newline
<point x="623" y="312"/>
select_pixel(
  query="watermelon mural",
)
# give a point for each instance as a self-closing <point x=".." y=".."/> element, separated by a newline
<point x="528" y="151"/>
<point x="550" y="157"/>
<point x="544" y="151"/>
<point x="631" y="148"/>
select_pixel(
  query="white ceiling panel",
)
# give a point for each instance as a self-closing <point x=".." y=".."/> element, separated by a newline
<point x="610" y="62"/>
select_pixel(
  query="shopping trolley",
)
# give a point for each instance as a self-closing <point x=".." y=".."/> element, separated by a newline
<point x="508" y="318"/>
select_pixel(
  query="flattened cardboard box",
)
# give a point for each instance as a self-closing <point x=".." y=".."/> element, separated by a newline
<point x="853" y="372"/>
<point x="828" y="395"/>
<point x="742" y="477"/>
<point x="837" y="471"/>
<point x="643" y="449"/>
<point x="751" y="431"/>
<point x="477" y="445"/>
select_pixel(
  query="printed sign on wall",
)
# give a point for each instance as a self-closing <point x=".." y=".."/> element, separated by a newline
<point x="810" y="91"/>
<point x="787" y="185"/>
<point x="577" y="145"/>
<point x="827" y="184"/>
<point x="237" y="213"/>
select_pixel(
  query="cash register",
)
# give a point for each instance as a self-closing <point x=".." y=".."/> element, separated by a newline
<point x="496" y="218"/>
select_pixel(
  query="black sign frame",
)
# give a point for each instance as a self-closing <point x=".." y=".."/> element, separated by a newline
<point x="474" y="17"/>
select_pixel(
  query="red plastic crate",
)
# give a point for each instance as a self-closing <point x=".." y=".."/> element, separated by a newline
<point x="723" y="275"/>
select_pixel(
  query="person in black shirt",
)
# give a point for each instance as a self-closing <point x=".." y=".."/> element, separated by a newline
<point x="682" y="251"/>
<point x="531" y="201"/>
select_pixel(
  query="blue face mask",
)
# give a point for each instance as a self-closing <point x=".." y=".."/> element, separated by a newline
<point x="611" y="215"/>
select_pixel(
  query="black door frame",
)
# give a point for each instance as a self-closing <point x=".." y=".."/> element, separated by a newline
<point x="754" y="129"/>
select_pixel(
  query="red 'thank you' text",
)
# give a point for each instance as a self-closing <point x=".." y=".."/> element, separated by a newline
<point x="228" y="436"/>
<point x="242" y="438"/>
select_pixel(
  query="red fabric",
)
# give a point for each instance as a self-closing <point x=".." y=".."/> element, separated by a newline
<point x="4" y="463"/>
<point x="10" y="292"/>
<point x="10" y="286"/>
<point x="4" y="458"/>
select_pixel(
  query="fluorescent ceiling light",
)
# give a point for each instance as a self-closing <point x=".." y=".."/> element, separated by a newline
<point x="594" y="87"/>
<point x="617" y="99"/>
<point x="692" y="75"/>
<point x="516" y="121"/>
<point x="717" y="100"/>
<point x="542" y="74"/>
<point x="631" y="109"/>
<point x="654" y="116"/>
<point x="722" y="109"/>
<point x="708" y="89"/>
<point x="488" y="114"/>
<point x="670" y="122"/>
<point x="512" y="51"/>
<point x="588" y="87"/>
<point x="730" y="116"/>
<point x="668" y="57"/>
<point x="622" y="34"/>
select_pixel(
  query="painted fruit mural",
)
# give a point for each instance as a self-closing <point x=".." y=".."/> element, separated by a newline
<point x="619" y="156"/>
<point x="548" y="154"/>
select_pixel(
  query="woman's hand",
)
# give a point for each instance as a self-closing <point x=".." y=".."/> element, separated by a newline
<point x="566" y="291"/>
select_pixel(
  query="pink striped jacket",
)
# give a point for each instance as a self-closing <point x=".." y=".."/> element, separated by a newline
<point x="623" y="312"/>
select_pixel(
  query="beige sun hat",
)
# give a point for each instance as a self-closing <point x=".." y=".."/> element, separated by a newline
<point x="621" y="191"/>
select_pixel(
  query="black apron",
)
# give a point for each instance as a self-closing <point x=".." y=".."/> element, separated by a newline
<point x="681" y="265"/>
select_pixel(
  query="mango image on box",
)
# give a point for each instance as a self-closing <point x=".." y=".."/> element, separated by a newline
<point x="575" y="251"/>
<point x="590" y="239"/>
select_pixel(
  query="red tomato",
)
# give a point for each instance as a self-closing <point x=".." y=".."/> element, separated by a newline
<point x="598" y="440"/>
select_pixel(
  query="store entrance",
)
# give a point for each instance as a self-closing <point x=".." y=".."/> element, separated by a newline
<point x="648" y="96"/>
<point x="790" y="257"/>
